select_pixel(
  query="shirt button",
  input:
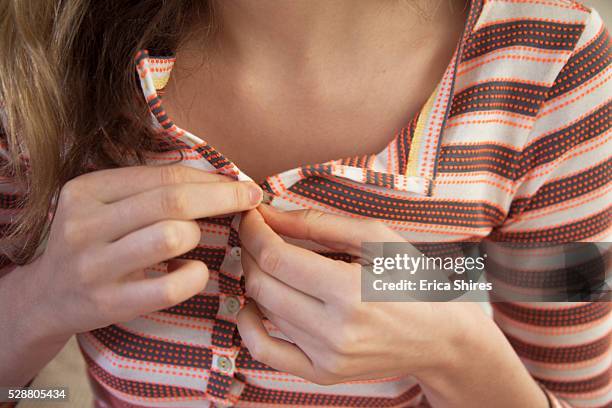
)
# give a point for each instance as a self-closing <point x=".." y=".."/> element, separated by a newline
<point x="232" y="304"/>
<point x="224" y="364"/>
<point x="236" y="252"/>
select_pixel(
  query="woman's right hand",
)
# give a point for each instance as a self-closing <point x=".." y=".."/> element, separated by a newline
<point x="112" y="224"/>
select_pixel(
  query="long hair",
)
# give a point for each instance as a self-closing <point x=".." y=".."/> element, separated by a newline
<point x="69" y="96"/>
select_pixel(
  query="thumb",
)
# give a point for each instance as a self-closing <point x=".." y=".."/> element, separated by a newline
<point x="334" y="231"/>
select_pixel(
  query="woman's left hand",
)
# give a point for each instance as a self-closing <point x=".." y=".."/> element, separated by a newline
<point x="456" y="352"/>
<point x="316" y="302"/>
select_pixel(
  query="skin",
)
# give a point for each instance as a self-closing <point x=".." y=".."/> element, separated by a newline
<point x="282" y="79"/>
<point x="453" y="349"/>
<point x="92" y="272"/>
<point x="340" y="69"/>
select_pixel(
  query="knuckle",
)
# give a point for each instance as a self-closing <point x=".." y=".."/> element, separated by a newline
<point x="71" y="231"/>
<point x="201" y="283"/>
<point x="313" y="216"/>
<point x="171" y="174"/>
<point x="253" y="286"/>
<point x="70" y="192"/>
<point x="173" y="202"/>
<point x="171" y="238"/>
<point x="102" y="304"/>
<point x="239" y="196"/>
<point x="81" y="271"/>
<point x="194" y="233"/>
<point x="270" y="259"/>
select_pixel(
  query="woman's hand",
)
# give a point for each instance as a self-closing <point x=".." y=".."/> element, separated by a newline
<point x="108" y="227"/>
<point x="112" y="224"/>
<point x="316" y="302"/>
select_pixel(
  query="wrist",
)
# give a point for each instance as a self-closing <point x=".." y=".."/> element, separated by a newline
<point x="476" y="366"/>
<point x="463" y="339"/>
<point x="37" y="322"/>
<point x="25" y="335"/>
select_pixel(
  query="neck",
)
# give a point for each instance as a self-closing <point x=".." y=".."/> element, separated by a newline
<point x="330" y="69"/>
<point x="307" y="32"/>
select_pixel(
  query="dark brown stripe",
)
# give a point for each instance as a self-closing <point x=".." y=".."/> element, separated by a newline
<point x="218" y="385"/>
<point x="139" y="389"/>
<point x="583" y="65"/>
<point x="510" y="96"/>
<point x="550" y="147"/>
<point x="198" y="306"/>
<point x="488" y="157"/>
<point x="565" y="317"/>
<point x="212" y="156"/>
<point x="592" y="384"/>
<point x="531" y="33"/>
<point x="370" y="204"/>
<point x="565" y="189"/>
<point x="567" y="233"/>
<point x="253" y="393"/>
<point x="403" y="143"/>
<point x="223" y="333"/>
<point x="231" y="285"/>
<point x="245" y="361"/>
<point x="587" y="276"/>
<point x="212" y="257"/>
<point x="560" y="355"/>
<point x="130" y="345"/>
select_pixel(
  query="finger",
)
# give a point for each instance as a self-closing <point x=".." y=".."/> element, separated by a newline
<point x="337" y="232"/>
<point x="148" y="246"/>
<point x="116" y="184"/>
<point x="312" y="347"/>
<point x="276" y="353"/>
<point x="306" y="341"/>
<point x="299" y="268"/>
<point x="293" y="305"/>
<point x="187" y="201"/>
<point x="186" y="279"/>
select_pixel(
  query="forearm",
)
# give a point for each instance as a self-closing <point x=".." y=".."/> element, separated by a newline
<point x="26" y="339"/>
<point x="478" y="367"/>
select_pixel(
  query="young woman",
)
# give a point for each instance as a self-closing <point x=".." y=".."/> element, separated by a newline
<point x="433" y="121"/>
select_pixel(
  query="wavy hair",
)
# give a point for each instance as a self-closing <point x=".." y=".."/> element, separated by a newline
<point x="70" y="98"/>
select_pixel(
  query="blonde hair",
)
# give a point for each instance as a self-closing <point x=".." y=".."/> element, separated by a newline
<point x="69" y="95"/>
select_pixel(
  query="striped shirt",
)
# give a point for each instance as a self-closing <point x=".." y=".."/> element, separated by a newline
<point x="514" y="143"/>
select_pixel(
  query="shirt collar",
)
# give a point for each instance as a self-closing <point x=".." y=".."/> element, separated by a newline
<point x="408" y="163"/>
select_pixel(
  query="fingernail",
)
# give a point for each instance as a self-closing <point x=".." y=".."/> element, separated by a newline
<point x="255" y="193"/>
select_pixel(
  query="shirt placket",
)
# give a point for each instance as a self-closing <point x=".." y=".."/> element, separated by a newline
<point x="223" y="385"/>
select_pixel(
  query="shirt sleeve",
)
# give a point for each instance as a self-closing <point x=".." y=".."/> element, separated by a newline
<point x="563" y="193"/>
